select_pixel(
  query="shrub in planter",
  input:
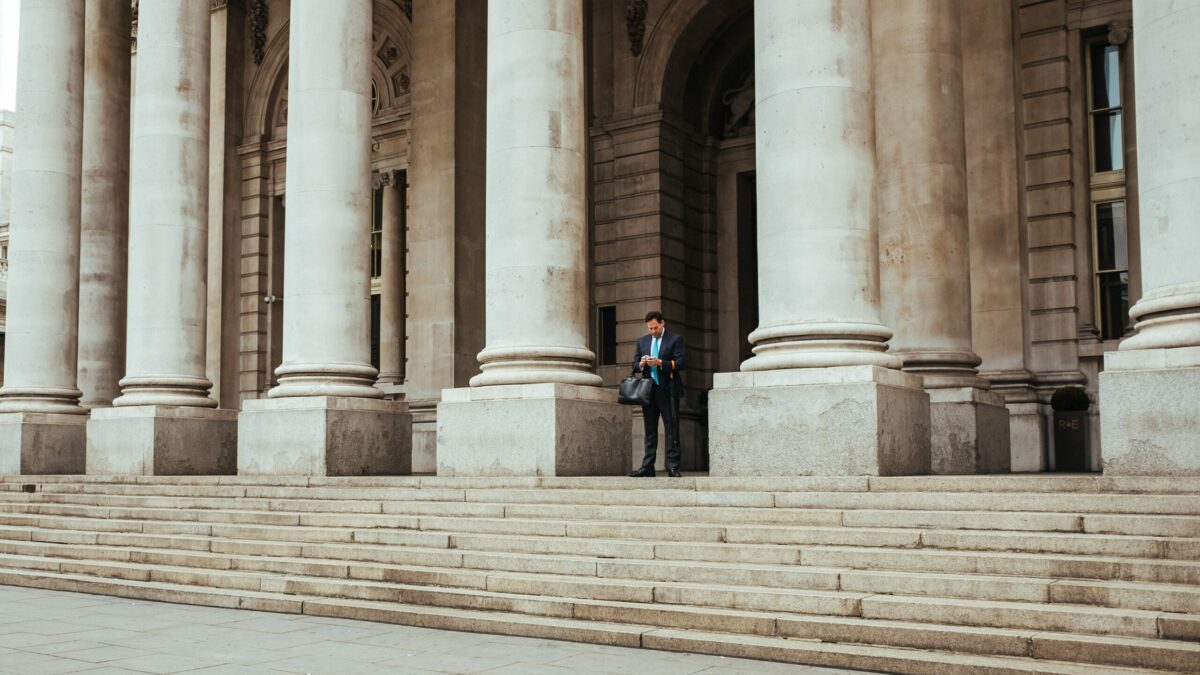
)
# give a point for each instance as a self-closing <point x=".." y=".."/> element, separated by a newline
<point x="1070" y="406"/>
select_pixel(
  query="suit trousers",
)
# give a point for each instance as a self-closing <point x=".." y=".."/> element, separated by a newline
<point x="663" y="404"/>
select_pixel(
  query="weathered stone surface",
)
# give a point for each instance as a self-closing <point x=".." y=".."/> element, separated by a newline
<point x="42" y="292"/>
<point x="969" y="431"/>
<point x="1149" y="424"/>
<point x="1026" y="426"/>
<point x="166" y="330"/>
<point x="855" y="420"/>
<point x="37" y="443"/>
<point x="532" y="430"/>
<point x="158" y="440"/>
<point x="324" y="436"/>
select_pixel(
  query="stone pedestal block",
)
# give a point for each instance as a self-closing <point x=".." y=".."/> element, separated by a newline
<point x="156" y="440"/>
<point x="838" y="421"/>
<point x="969" y="432"/>
<point x="1027" y="431"/>
<point x="324" y="436"/>
<point x="1149" y="421"/>
<point x="532" y="430"/>
<point x="424" y="436"/>
<point x="41" y="443"/>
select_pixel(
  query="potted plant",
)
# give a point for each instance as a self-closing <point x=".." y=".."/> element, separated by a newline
<point x="1070" y="406"/>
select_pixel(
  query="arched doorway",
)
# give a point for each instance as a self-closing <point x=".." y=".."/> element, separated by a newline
<point x="675" y="199"/>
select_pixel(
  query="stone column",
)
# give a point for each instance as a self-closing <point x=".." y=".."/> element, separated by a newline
<point x="821" y="395"/>
<point x="164" y="422"/>
<point x="1150" y="388"/>
<point x="326" y="417"/>
<point x="391" y="292"/>
<point x="41" y="421"/>
<point x="925" y="271"/>
<point x="536" y="407"/>
<point x="105" y="202"/>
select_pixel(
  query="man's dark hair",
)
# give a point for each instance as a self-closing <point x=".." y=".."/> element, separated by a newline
<point x="654" y="316"/>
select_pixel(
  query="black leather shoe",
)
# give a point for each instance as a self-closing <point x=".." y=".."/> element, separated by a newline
<point x="642" y="473"/>
<point x="674" y="473"/>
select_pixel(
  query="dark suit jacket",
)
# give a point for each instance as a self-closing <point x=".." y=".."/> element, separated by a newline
<point x="670" y="350"/>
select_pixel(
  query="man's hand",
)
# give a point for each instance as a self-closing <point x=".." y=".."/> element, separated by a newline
<point x="652" y="362"/>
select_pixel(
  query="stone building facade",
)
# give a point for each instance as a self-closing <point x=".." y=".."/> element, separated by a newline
<point x="889" y="231"/>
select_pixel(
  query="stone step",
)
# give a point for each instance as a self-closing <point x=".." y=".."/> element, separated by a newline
<point x="888" y="660"/>
<point x="923" y="635"/>
<point x="554" y="554"/>
<point x="151" y="507"/>
<point x="1107" y="503"/>
<point x="1057" y="566"/>
<point x="331" y="527"/>
<point x="284" y="560"/>
<point x="1047" y="483"/>
<point x="806" y="652"/>
<point x="332" y="512"/>
<point x="1110" y="593"/>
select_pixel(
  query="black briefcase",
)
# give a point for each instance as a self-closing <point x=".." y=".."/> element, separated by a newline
<point x="635" y="390"/>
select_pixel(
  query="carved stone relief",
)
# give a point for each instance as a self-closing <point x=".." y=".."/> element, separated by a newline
<point x="635" y="24"/>
<point x="739" y="107"/>
<point x="258" y="29"/>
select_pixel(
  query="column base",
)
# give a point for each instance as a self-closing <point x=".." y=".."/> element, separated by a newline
<point x="424" y="436"/>
<point x="968" y="432"/>
<point x="840" y="421"/>
<point x="324" y="436"/>
<point x="161" y="440"/>
<point x="1148" y="422"/>
<point x="532" y="430"/>
<point x="1027" y="437"/>
<point x="42" y="443"/>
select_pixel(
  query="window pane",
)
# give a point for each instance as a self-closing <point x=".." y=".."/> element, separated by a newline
<point x="608" y="335"/>
<point x="1112" y="244"/>
<point x="375" y="323"/>
<point x="1106" y="76"/>
<point x="1107" y="146"/>
<point x="377" y="232"/>
<point x="1114" y="304"/>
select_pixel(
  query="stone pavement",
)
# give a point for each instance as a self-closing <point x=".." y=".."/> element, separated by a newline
<point x="50" y="632"/>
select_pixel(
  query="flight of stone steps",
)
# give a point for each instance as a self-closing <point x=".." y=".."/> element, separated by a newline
<point x="975" y="574"/>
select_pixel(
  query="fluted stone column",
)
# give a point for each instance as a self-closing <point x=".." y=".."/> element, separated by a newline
<point x="326" y="417"/>
<point x="536" y="407"/>
<point x="41" y="421"/>
<point x="925" y="272"/>
<point x="164" y="422"/>
<point x="391" y="292"/>
<point x="1150" y="389"/>
<point x="821" y="395"/>
<point x="105" y="202"/>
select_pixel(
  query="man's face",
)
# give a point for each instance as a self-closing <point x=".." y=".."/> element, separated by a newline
<point x="656" y="327"/>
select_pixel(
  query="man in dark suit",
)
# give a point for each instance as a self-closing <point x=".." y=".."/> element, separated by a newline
<point x="660" y="357"/>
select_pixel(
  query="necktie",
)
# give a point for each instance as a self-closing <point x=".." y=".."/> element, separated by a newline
<point x="654" y="355"/>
